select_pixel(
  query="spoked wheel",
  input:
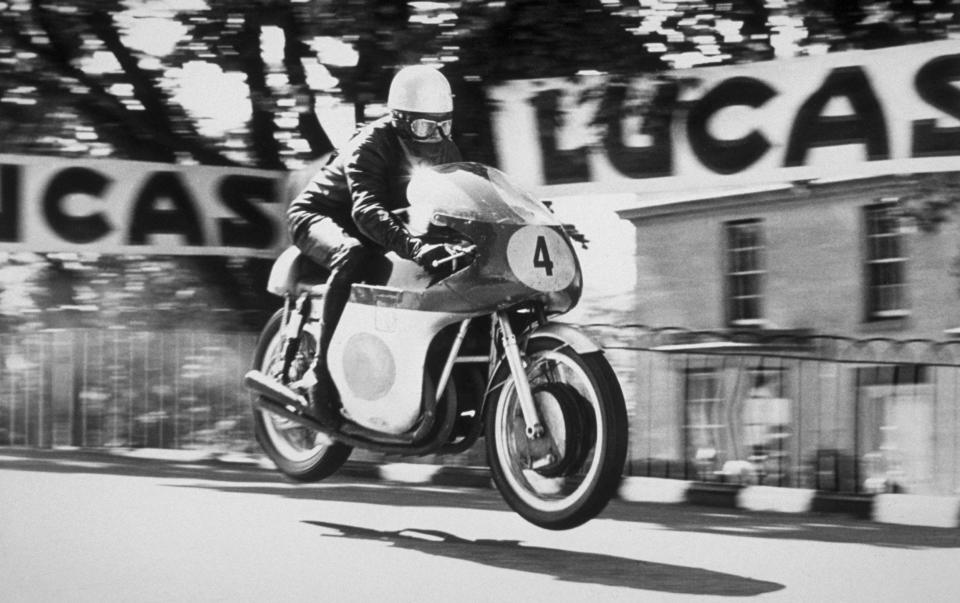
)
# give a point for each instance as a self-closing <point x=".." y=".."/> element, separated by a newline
<point x="568" y="475"/>
<point x="299" y="452"/>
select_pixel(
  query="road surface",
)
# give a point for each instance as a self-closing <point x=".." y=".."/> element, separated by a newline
<point x="93" y="527"/>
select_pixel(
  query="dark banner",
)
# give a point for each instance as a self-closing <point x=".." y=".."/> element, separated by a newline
<point x="104" y="206"/>
<point x="838" y="115"/>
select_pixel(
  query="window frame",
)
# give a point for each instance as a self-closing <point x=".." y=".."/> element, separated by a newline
<point x="733" y="300"/>
<point x="703" y="421"/>
<point x="884" y="301"/>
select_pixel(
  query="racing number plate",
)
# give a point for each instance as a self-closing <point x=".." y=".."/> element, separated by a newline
<point x="541" y="258"/>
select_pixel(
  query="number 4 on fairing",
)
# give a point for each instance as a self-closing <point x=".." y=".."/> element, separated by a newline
<point x="541" y="256"/>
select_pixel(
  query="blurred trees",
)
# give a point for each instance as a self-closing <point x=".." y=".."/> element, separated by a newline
<point x="130" y="78"/>
<point x="67" y="290"/>
<point x="67" y="105"/>
<point x="847" y="24"/>
<point x="81" y="79"/>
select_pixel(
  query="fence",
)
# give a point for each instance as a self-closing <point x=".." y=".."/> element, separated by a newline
<point x="787" y="410"/>
<point x="117" y="388"/>
<point x="790" y="409"/>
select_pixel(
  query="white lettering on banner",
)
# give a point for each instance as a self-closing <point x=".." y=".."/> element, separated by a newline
<point x="105" y="206"/>
<point x="856" y="113"/>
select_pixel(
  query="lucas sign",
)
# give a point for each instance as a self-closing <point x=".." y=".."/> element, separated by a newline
<point x="847" y="114"/>
<point x="104" y="206"/>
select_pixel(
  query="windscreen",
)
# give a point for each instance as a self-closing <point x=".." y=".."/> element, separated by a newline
<point x="471" y="191"/>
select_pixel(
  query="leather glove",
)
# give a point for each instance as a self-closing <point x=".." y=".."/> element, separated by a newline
<point x="429" y="253"/>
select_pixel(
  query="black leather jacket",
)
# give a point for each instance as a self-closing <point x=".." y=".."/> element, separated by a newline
<point x="361" y="185"/>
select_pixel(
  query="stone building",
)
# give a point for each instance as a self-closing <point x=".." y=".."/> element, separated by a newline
<point x="813" y="342"/>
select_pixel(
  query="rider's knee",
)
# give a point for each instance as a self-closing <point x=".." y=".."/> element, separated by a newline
<point x="350" y="258"/>
<point x="319" y="241"/>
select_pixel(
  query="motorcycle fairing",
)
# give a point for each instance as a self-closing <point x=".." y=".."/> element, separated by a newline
<point x="523" y="250"/>
<point x="377" y="358"/>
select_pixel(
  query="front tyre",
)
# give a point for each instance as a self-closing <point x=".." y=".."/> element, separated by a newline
<point x="567" y="476"/>
<point x="300" y="453"/>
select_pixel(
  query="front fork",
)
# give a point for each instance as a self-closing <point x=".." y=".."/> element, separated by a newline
<point x="512" y="351"/>
<point x="294" y="319"/>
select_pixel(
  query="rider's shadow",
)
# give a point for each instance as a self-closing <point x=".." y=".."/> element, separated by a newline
<point x="568" y="566"/>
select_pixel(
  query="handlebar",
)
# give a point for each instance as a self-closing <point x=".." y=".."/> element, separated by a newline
<point x="458" y="252"/>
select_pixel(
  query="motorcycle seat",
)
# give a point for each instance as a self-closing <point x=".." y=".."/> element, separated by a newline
<point x="312" y="288"/>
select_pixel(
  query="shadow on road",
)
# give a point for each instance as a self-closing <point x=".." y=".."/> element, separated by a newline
<point x="564" y="565"/>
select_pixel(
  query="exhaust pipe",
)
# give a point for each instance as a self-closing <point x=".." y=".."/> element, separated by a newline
<point x="273" y="390"/>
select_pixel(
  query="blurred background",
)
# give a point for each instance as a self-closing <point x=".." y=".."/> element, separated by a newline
<point x="148" y="149"/>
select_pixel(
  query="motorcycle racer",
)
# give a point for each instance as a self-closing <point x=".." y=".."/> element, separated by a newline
<point x="344" y="220"/>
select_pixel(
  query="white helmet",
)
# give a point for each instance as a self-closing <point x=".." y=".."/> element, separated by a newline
<point x="420" y="89"/>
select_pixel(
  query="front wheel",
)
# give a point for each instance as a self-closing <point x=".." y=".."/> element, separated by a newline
<point x="299" y="452"/>
<point x="569" y="474"/>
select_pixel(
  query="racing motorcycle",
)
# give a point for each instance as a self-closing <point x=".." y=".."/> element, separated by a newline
<point x="429" y="363"/>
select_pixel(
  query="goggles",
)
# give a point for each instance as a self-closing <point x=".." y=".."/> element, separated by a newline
<point x="428" y="128"/>
<point x="425" y="128"/>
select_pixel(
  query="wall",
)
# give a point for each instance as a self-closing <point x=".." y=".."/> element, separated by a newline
<point x="814" y="257"/>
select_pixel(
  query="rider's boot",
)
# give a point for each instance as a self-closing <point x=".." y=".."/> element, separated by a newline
<point x="324" y="401"/>
<point x="323" y="397"/>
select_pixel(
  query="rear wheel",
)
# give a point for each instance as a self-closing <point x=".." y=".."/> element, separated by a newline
<point x="299" y="452"/>
<point x="568" y="475"/>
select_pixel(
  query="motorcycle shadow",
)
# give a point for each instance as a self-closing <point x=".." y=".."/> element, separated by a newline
<point x="563" y="565"/>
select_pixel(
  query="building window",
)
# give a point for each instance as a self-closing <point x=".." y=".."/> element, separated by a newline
<point x="745" y="272"/>
<point x="705" y="422"/>
<point x="885" y="265"/>
<point x="765" y="426"/>
<point x="896" y="429"/>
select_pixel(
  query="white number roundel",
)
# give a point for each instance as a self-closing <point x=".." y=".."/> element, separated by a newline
<point x="541" y="258"/>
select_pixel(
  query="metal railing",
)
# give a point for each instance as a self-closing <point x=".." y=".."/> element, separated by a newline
<point x="790" y="409"/>
<point x="793" y="410"/>
<point x="116" y="388"/>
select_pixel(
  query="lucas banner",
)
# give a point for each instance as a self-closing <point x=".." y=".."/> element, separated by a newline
<point x="127" y="207"/>
<point x="838" y="115"/>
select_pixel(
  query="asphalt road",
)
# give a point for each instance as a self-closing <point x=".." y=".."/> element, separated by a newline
<point x="93" y="527"/>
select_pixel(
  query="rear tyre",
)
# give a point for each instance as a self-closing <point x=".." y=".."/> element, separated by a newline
<point x="567" y="476"/>
<point x="301" y="453"/>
